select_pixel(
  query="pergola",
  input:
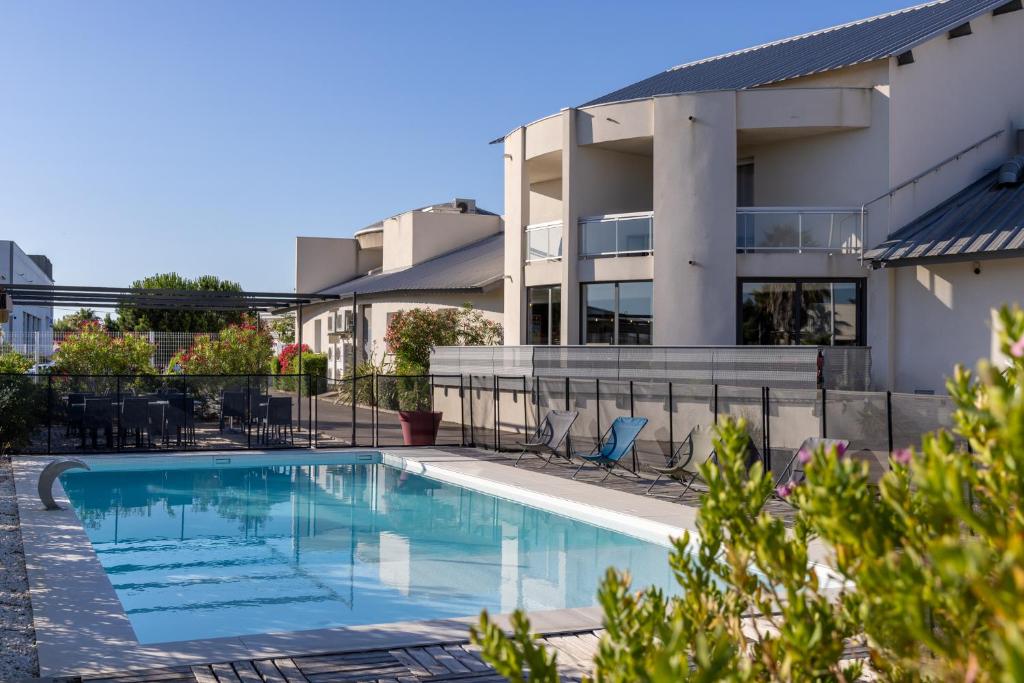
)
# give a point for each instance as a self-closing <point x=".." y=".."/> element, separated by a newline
<point x="173" y="299"/>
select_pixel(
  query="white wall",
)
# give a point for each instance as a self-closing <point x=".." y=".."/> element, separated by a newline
<point x="17" y="268"/>
<point x="944" y="316"/>
<point x="417" y="236"/>
<point x="324" y="261"/>
<point x="613" y="182"/>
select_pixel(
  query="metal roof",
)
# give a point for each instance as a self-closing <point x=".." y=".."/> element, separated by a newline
<point x="857" y="42"/>
<point x="985" y="220"/>
<point x="471" y="268"/>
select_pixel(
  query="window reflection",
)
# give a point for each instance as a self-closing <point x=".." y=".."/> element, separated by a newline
<point x="618" y="313"/>
<point x="823" y="313"/>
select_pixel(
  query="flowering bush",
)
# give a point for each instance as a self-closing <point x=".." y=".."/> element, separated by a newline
<point x="412" y="334"/>
<point x="288" y="353"/>
<point x="92" y="351"/>
<point x="238" y="350"/>
<point x="928" y="565"/>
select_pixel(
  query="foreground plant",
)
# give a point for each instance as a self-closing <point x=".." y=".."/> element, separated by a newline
<point x="930" y="564"/>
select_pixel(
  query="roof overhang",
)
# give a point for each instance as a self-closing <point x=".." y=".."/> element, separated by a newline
<point x="137" y="297"/>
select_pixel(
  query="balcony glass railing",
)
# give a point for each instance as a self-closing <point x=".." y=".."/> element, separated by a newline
<point x="623" y="234"/>
<point x="544" y="241"/>
<point x="788" y="229"/>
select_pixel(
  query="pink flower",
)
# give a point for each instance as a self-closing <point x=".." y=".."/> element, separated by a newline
<point x="1017" y="349"/>
<point x="902" y="456"/>
<point x="804" y="456"/>
<point x="785" y="490"/>
<point x="840" y="450"/>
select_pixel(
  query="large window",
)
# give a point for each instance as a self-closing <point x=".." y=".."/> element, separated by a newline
<point x="815" y="312"/>
<point x="617" y="313"/>
<point x="544" y="311"/>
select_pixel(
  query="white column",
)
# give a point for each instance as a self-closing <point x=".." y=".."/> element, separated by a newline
<point x="695" y="219"/>
<point x="570" y="329"/>
<point x="517" y="211"/>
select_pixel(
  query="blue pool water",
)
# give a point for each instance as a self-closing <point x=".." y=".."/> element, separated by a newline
<point x="201" y="553"/>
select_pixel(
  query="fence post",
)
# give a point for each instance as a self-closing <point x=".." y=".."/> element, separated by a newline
<point x="355" y="380"/>
<point x="715" y="402"/>
<point x="671" y="427"/>
<point x="49" y="414"/>
<point x="824" y="418"/>
<point x="636" y="460"/>
<point x="462" y="409"/>
<point x="567" y="393"/>
<point x="376" y="409"/>
<point x="888" y="424"/>
<point x="117" y="409"/>
<point x="248" y="411"/>
<point x="472" y="425"/>
<point x="597" y="404"/>
<point x="526" y="412"/>
<point x="309" y="406"/>
<point x="497" y="408"/>
<point x="766" y="457"/>
<point x="35" y="345"/>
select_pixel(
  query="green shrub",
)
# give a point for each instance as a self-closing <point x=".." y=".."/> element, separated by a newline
<point x="14" y="363"/>
<point x="91" y="351"/>
<point x="22" y="410"/>
<point x="412" y="334"/>
<point x="237" y="350"/>
<point x="930" y="562"/>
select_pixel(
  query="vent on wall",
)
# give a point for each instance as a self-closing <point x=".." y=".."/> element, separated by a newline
<point x="1011" y="172"/>
<point x="904" y="58"/>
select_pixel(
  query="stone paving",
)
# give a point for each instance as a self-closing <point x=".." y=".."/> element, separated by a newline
<point x="17" y="636"/>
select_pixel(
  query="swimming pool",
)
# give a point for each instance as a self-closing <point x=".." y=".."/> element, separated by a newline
<point x="226" y="550"/>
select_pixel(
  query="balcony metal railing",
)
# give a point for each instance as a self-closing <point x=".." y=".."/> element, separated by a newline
<point x="621" y="234"/>
<point x="799" y="229"/>
<point x="544" y="241"/>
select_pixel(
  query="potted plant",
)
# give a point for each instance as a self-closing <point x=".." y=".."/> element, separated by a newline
<point x="419" y="422"/>
<point x="410" y="337"/>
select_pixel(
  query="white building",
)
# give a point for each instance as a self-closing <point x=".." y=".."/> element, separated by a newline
<point x="17" y="267"/>
<point x="740" y="199"/>
<point x="443" y="255"/>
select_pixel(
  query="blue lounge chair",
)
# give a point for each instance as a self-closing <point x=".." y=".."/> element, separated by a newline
<point x="616" y="442"/>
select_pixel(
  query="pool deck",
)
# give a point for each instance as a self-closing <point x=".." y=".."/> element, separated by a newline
<point x="81" y="628"/>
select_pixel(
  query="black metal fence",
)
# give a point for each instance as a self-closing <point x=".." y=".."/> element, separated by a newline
<point x="186" y="413"/>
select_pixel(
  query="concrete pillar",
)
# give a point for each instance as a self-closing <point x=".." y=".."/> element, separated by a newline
<point x="695" y="219"/>
<point x="570" y="329"/>
<point x="517" y="208"/>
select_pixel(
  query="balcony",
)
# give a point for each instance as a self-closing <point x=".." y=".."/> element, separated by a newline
<point x="622" y="234"/>
<point x="544" y="242"/>
<point x="799" y="230"/>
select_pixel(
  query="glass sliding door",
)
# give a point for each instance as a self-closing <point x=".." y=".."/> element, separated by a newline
<point x="811" y="312"/>
<point x="544" y="312"/>
<point x="617" y="313"/>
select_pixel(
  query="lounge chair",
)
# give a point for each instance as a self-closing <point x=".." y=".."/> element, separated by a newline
<point x="701" y="450"/>
<point x="696" y="449"/>
<point x="795" y="470"/>
<point x="549" y="436"/>
<point x="615" y="443"/>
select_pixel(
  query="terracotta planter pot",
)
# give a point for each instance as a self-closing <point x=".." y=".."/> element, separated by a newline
<point x="419" y="427"/>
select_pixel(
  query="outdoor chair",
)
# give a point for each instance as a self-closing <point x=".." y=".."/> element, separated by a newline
<point x="99" y="415"/>
<point x="615" y="443"/>
<point x="75" y="412"/>
<point x="279" y="420"/>
<point x="179" y="419"/>
<point x="232" y="406"/>
<point x="703" y="450"/>
<point x="257" y="407"/>
<point x="793" y="474"/>
<point x="135" y="421"/>
<point x="550" y="435"/>
<point x="696" y="449"/>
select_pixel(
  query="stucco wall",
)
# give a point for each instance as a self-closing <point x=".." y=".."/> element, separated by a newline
<point x="416" y="236"/>
<point x="324" y="261"/>
<point x="545" y="201"/>
<point x="944" y="316"/>
<point x="613" y="182"/>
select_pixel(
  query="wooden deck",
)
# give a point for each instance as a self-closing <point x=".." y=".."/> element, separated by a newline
<point x="434" y="663"/>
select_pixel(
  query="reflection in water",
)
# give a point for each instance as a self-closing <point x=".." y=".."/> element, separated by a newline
<point x="215" y="552"/>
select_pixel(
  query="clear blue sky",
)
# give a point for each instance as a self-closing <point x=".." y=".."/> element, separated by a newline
<point x="201" y="137"/>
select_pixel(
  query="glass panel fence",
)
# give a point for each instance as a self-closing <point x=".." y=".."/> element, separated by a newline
<point x="616" y="235"/>
<point x="544" y="241"/>
<point x="798" y="230"/>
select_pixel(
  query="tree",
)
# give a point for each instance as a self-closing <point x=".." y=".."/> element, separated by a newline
<point x="283" y="328"/>
<point x="74" y="320"/>
<point x="412" y="334"/>
<point x="180" y="319"/>
<point x="926" y="568"/>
